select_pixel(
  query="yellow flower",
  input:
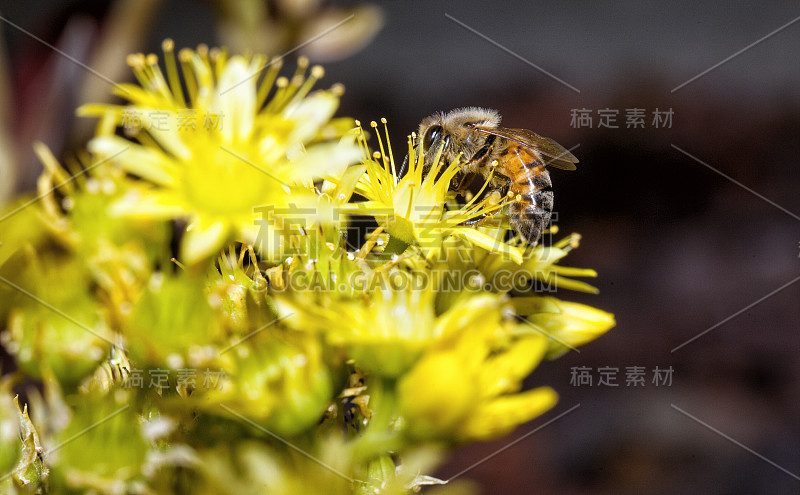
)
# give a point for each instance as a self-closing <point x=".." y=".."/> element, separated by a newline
<point x="215" y="153"/>
<point x="466" y="386"/>
<point x="384" y="332"/>
<point x="569" y="324"/>
<point x="501" y="274"/>
<point x="417" y="207"/>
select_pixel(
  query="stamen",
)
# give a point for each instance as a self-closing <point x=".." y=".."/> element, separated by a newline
<point x="202" y="52"/>
<point x="317" y="72"/>
<point x="568" y="243"/>
<point x="362" y="139"/>
<point x="412" y="158"/>
<point x="486" y="206"/>
<point x="302" y="66"/>
<point x="437" y="165"/>
<point x="269" y="79"/>
<point x="294" y="85"/>
<point x="136" y="63"/>
<point x="384" y="161"/>
<point x="157" y="81"/>
<point x="486" y="183"/>
<point x="204" y="74"/>
<point x="280" y="90"/>
<point x="389" y="145"/>
<point x="52" y="166"/>
<point x="337" y="90"/>
<point x="410" y="201"/>
<point x="420" y="165"/>
<point x="219" y="58"/>
<point x="168" y="46"/>
<point x="185" y="57"/>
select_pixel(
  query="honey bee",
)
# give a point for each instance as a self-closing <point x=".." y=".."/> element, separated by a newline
<point x="519" y="157"/>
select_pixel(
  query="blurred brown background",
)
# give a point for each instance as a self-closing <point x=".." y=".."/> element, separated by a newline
<point x="679" y="247"/>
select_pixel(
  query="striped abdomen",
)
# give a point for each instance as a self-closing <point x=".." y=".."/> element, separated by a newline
<point x="530" y="183"/>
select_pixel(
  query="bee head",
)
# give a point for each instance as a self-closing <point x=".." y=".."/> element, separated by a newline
<point x="454" y="132"/>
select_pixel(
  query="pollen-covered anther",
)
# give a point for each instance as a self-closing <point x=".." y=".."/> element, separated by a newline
<point x="185" y="55"/>
<point x="135" y="60"/>
<point x="317" y="72"/>
<point x="494" y="198"/>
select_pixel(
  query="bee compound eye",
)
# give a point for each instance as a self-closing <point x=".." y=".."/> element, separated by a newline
<point x="431" y="136"/>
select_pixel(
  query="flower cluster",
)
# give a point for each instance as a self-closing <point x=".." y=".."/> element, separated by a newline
<point x="223" y="219"/>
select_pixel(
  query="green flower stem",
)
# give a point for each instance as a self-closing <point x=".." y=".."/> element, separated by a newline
<point x="381" y="435"/>
<point x="380" y="472"/>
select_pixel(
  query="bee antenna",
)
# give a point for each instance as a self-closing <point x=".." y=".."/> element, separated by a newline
<point x="403" y="167"/>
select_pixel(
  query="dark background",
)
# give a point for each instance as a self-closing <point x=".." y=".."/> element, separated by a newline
<point x="678" y="246"/>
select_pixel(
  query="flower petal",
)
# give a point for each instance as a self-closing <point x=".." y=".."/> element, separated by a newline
<point x="201" y="241"/>
<point x="324" y="160"/>
<point x="146" y="203"/>
<point x="501" y="415"/>
<point x="503" y="373"/>
<point x="310" y="114"/>
<point x="237" y="101"/>
<point x="575" y="325"/>
<point x="139" y="160"/>
<point x="488" y="243"/>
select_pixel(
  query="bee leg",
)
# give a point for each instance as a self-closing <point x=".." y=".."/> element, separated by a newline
<point x="497" y="193"/>
<point x="460" y="182"/>
<point x="495" y="198"/>
<point x="477" y="220"/>
<point x="350" y="409"/>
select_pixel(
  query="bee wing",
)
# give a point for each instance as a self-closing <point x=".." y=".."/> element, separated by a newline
<point x="557" y="155"/>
